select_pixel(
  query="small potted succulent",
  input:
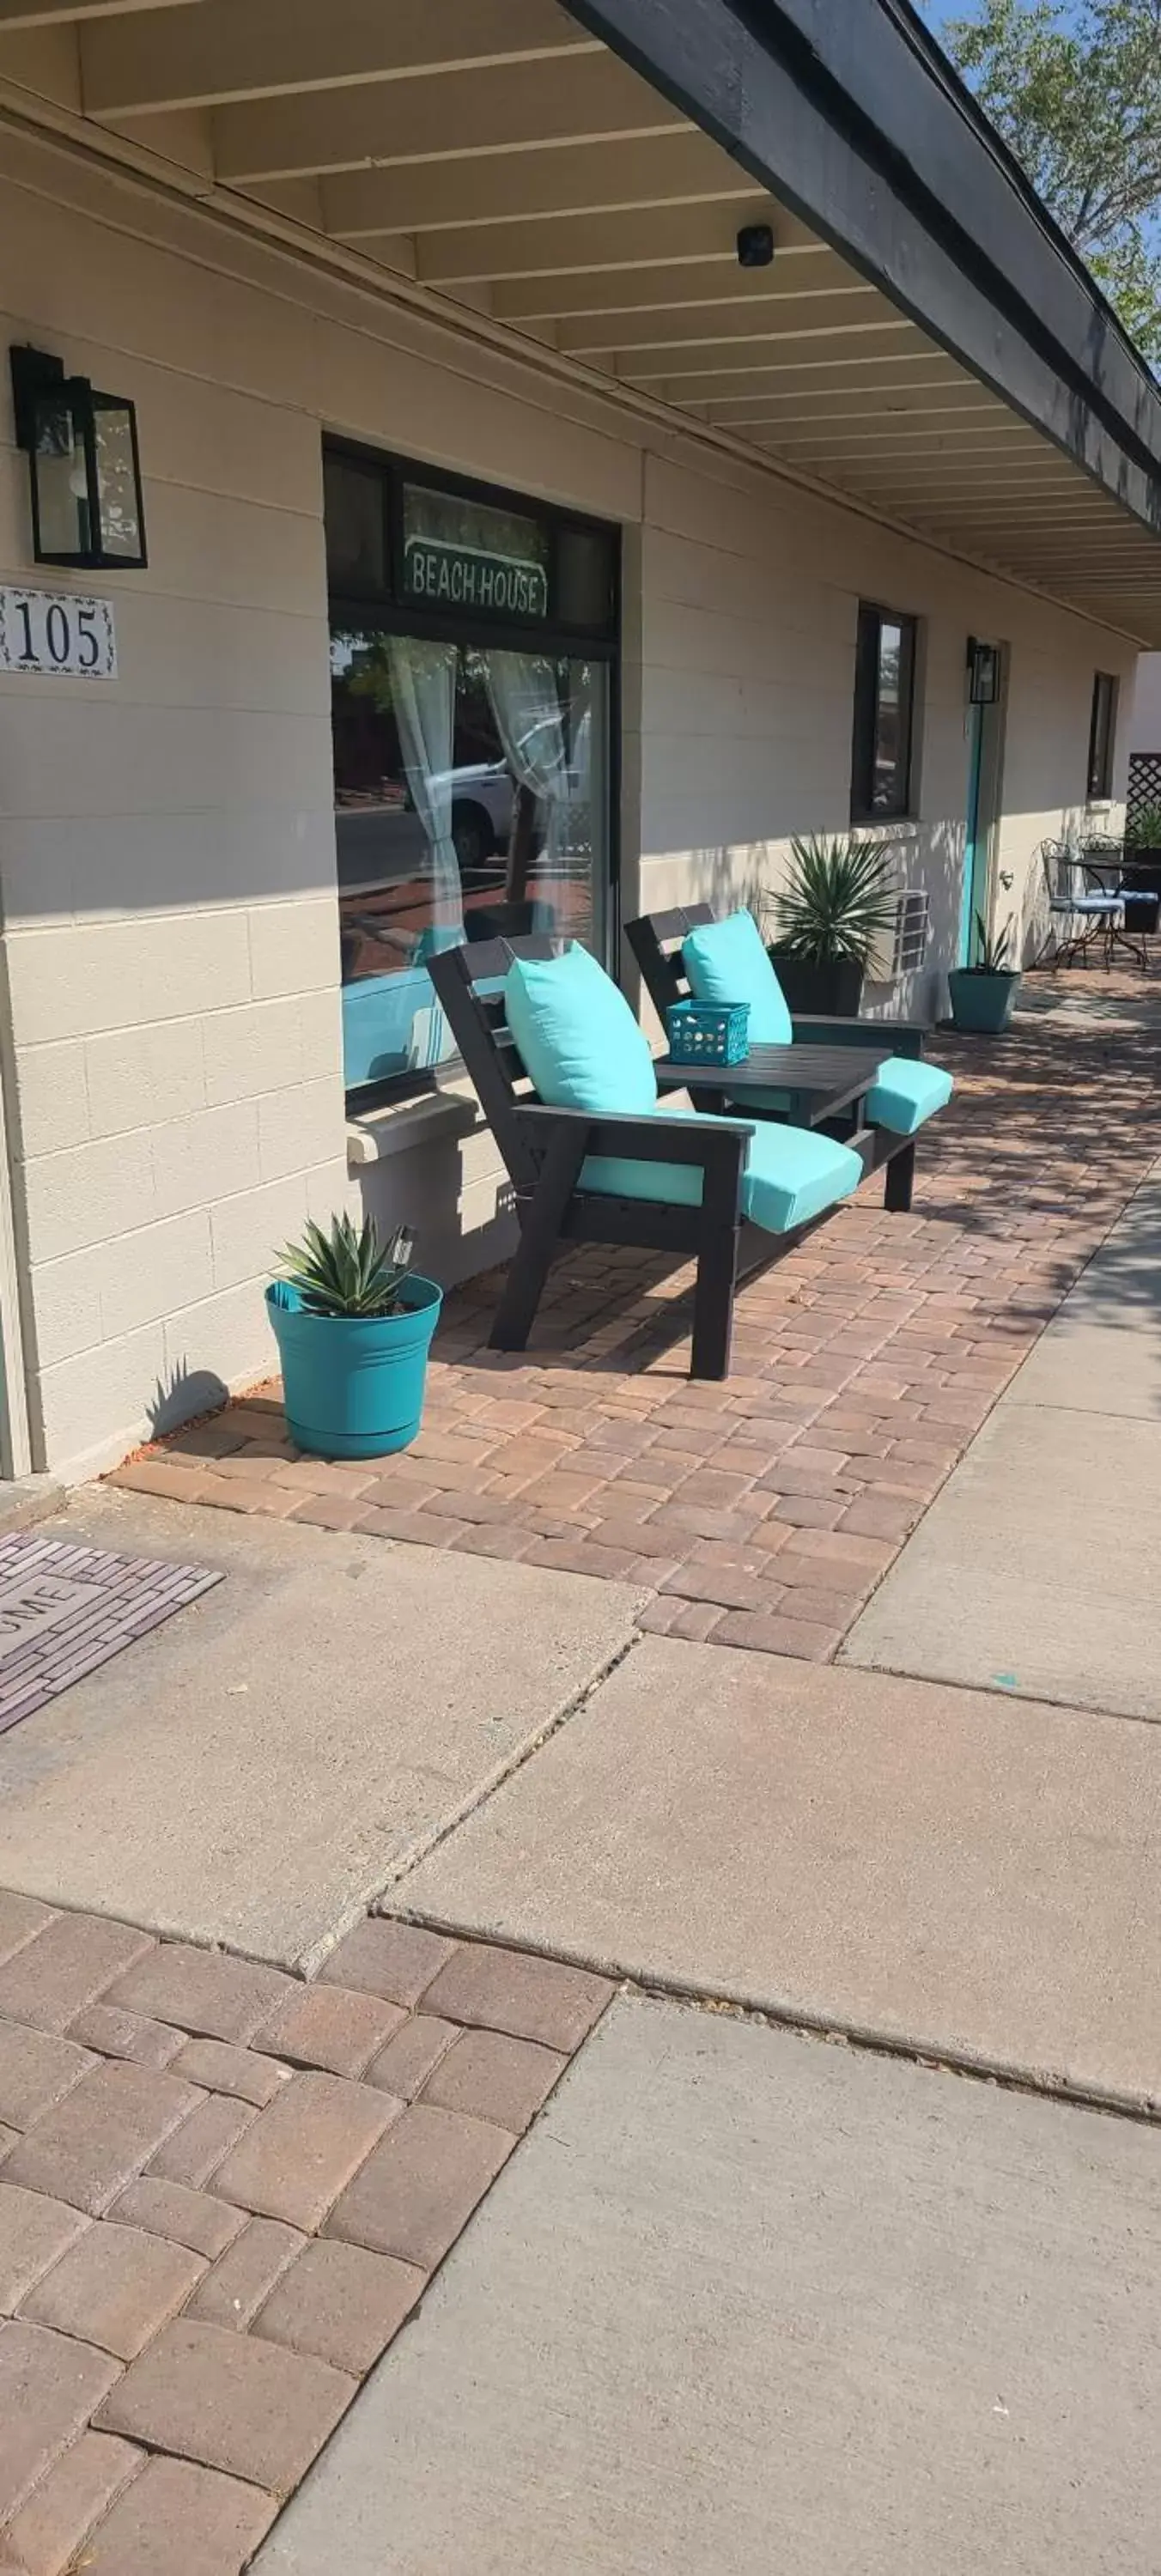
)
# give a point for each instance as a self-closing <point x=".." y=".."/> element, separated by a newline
<point x="982" y="994"/>
<point x="837" y="901"/>
<point x="353" y="1324"/>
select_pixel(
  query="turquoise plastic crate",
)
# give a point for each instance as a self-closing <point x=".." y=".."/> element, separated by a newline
<point x="708" y="1032"/>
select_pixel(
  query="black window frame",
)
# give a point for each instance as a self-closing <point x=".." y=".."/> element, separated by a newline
<point x="1102" y="735"/>
<point x="873" y="616"/>
<point x="390" y="613"/>
<point x="391" y="608"/>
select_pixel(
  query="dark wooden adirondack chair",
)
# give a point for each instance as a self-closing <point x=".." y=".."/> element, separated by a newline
<point x="655" y="940"/>
<point x="545" y="1148"/>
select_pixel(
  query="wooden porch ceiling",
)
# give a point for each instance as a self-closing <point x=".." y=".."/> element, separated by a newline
<point x="498" y="154"/>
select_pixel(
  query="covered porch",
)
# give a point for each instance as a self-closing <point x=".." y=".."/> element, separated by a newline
<point x="765" y="1512"/>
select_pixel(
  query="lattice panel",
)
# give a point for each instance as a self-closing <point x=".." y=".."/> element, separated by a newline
<point x="1144" y="787"/>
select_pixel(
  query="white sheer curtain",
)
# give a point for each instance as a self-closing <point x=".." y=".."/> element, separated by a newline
<point x="529" y="719"/>
<point x="423" y="688"/>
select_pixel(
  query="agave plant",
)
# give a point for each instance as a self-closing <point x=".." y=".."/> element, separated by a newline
<point x="1144" y="831"/>
<point x="993" y="951"/>
<point x="348" y="1271"/>
<point x="837" y="901"/>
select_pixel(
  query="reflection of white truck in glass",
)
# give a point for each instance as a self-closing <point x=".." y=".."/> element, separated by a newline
<point x="380" y="843"/>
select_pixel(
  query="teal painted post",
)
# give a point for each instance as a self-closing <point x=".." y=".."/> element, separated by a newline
<point x="970" y="902"/>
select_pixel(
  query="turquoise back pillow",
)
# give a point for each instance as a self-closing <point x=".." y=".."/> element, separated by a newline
<point x="727" y="962"/>
<point x="576" y="1034"/>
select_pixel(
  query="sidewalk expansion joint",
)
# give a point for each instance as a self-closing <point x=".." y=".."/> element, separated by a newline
<point x="650" y="1986"/>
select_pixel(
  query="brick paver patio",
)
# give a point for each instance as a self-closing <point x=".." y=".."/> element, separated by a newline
<point x="222" y="2192"/>
<point x="761" y="1512"/>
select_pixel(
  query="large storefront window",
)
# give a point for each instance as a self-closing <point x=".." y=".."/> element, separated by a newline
<point x="472" y="661"/>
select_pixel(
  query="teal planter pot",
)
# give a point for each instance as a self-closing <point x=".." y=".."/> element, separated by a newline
<point x="981" y="1003"/>
<point x="353" y="1385"/>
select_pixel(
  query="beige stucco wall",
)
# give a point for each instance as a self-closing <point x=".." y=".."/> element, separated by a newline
<point x="169" y="952"/>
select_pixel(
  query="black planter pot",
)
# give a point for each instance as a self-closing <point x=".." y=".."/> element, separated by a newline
<point x="834" y="991"/>
<point x="1142" y="869"/>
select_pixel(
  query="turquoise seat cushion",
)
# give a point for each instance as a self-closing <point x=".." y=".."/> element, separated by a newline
<point x="577" y="1036"/>
<point x="791" y="1175"/>
<point x="727" y="962"/>
<point x="907" y="1092"/>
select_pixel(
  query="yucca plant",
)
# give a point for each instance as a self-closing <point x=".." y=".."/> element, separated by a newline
<point x="348" y="1271"/>
<point x="993" y="950"/>
<point x="837" y="901"/>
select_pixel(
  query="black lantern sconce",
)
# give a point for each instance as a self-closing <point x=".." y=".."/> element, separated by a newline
<point x="983" y="661"/>
<point x="87" y="506"/>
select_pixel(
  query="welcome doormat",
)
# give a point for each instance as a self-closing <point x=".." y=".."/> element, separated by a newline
<point x="64" y="1610"/>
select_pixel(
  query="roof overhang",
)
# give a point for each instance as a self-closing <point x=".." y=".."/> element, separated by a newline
<point x="924" y="345"/>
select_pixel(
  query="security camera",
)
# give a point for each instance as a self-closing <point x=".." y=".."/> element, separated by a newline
<point x="755" y="246"/>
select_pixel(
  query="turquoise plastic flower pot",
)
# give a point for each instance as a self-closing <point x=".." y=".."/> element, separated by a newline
<point x="982" y="1003"/>
<point x="353" y="1385"/>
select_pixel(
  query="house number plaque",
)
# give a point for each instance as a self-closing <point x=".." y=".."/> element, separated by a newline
<point x="54" y="631"/>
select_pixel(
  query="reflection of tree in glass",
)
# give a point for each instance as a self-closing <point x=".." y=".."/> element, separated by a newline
<point x="887" y="714"/>
<point x="117" y="482"/>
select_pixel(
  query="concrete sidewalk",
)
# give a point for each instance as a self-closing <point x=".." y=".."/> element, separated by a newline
<point x="949" y="1872"/>
<point x="1038" y="1568"/>
<point x="258" y="1770"/>
<point x="745" y="2303"/>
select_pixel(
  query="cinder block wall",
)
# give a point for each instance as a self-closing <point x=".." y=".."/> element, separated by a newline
<point x="169" y="1007"/>
<point x="749" y="619"/>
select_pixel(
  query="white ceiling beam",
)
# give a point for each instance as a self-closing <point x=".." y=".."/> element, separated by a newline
<point x="714" y="285"/>
<point x="599" y="245"/>
<point x="1082" y="550"/>
<point x="680" y="370"/>
<point x="903" y="492"/>
<point x="763" y="326"/>
<point x="1049" y="517"/>
<point x="1026" y="532"/>
<point x="546" y="187"/>
<point x="453" y="115"/>
<point x="758" y="374"/>
<point x="804" y="412"/>
<point x="1092" y="563"/>
<point x="933" y="476"/>
<point x="820" y="381"/>
<point x="1013" y="473"/>
<point x="228" y="50"/>
<point x="62" y="13"/>
<point x="1000" y="435"/>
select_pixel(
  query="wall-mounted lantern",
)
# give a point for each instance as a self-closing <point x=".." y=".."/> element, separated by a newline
<point x="87" y="505"/>
<point x="983" y="661"/>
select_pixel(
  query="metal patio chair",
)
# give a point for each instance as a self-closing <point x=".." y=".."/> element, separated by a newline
<point x="1087" y="919"/>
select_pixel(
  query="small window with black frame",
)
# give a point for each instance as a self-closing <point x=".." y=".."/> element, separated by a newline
<point x="884" y="715"/>
<point x="1102" y="736"/>
<point x="473" y="690"/>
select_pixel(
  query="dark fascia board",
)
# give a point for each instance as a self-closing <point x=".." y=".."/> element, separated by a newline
<point x="847" y="112"/>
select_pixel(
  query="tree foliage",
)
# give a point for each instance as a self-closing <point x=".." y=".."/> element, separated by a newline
<point x="1076" y="92"/>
